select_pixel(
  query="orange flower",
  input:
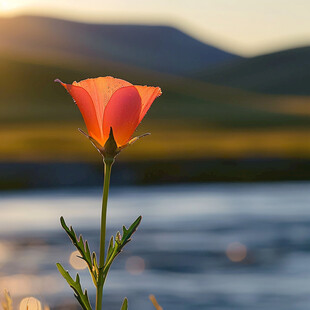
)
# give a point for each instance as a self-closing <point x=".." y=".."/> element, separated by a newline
<point x="107" y="102"/>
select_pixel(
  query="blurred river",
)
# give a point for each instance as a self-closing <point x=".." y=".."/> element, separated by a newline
<point x="212" y="246"/>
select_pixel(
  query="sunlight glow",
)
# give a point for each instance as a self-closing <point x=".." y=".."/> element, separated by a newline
<point x="20" y="285"/>
<point x="7" y="5"/>
<point x="244" y="27"/>
<point x="76" y="261"/>
<point x="135" y="265"/>
<point x="11" y="7"/>
<point x="5" y="253"/>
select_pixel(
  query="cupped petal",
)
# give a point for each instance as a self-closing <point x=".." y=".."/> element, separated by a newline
<point x="122" y="114"/>
<point x="101" y="90"/>
<point x="87" y="109"/>
<point x="148" y="94"/>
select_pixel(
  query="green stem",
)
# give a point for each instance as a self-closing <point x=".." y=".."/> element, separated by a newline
<point x="107" y="174"/>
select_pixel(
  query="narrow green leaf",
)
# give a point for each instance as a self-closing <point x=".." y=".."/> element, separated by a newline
<point x="76" y="286"/>
<point x="125" y="304"/>
<point x="128" y="233"/>
<point x="95" y="264"/>
<point x="87" y="251"/>
<point x="83" y="249"/>
<point x="133" y="140"/>
<point x="110" y="248"/>
<point x="118" y="246"/>
<point x="118" y="237"/>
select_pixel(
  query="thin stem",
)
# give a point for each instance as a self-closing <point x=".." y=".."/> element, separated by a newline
<point x="107" y="174"/>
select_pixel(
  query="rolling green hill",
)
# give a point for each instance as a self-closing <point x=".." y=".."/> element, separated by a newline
<point x="191" y="120"/>
<point x="285" y="72"/>
<point x="28" y="94"/>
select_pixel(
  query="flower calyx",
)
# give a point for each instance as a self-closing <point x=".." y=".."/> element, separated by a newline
<point x="110" y="149"/>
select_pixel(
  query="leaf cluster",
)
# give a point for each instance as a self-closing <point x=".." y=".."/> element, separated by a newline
<point x="115" y="247"/>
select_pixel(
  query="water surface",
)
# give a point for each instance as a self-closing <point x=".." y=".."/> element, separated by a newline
<point x="223" y="246"/>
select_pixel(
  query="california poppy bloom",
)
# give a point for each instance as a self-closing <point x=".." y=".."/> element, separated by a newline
<point x="107" y="102"/>
<point x="112" y="109"/>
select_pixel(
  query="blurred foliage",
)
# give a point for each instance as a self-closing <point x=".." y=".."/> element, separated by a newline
<point x="155" y="303"/>
<point x="115" y="247"/>
<point x="7" y="303"/>
<point x="191" y="120"/>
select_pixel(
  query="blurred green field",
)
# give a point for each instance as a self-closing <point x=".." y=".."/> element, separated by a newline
<point x="62" y="142"/>
<point x="192" y="119"/>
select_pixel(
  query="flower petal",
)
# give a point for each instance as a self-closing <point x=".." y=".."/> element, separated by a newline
<point x="86" y="107"/>
<point x="122" y="114"/>
<point x="100" y="90"/>
<point x="148" y="95"/>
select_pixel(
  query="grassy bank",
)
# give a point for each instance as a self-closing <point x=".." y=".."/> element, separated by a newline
<point x="50" y="142"/>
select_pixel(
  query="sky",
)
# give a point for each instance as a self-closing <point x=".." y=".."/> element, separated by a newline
<point x="245" y="27"/>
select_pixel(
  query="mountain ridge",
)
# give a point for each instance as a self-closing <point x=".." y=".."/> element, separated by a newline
<point x="153" y="47"/>
<point x="282" y="72"/>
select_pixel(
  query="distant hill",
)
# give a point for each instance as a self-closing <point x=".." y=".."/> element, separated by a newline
<point x="191" y="120"/>
<point x="285" y="72"/>
<point x="157" y="48"/>
<point x="28" y="94"/>
<point x="208" y="108"/>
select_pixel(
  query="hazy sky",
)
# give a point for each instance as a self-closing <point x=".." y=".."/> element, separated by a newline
<point x="247" y="27"/>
